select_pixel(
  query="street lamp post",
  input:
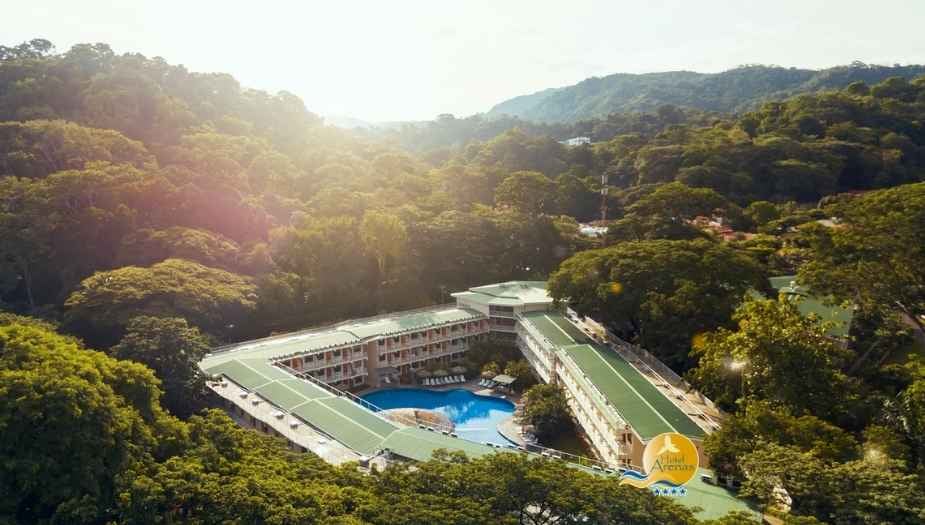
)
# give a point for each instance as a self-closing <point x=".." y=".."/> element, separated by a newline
<point x="739" y="366"/>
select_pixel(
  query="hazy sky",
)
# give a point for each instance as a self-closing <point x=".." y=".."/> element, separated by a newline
<point x="401" y="60"/>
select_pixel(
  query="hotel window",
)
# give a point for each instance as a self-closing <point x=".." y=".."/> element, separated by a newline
<point x="381" y="358"/>
<point x="415" y="335"/>
<point x="382" y="342"/>
<point x="336" y="353"/>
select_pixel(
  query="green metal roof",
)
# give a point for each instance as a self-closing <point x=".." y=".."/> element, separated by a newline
<point x="840" y="316"/>
<point x="342" y="426"/>
<point x="420" y="444"/>
<point x="277" y="347"/>
<point x="636" y="399"/>
<point x="242" y="374"/>
<point x="511" y="293"/>
<point x="408" y="322"/>
<point x="555" y="328"/>
<point x="353" y="332"/>
<point x="633" y="396"/>
<point x="714" y="501"/>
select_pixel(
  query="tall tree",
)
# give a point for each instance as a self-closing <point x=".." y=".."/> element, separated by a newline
<point x="660" y="294"/>
<point x="172" y="349"/>
<point x="776" y="354"/>
<point x="876" y="257"/>
<point x="72" y="422"/>
<point x="214" y="300"/>
<point x="528" y="192"/>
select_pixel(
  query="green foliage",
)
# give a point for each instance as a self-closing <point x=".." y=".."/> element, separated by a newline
<point x="764" y="422"/>
<point x="838" y="493"/>
<point x="911" y="407"/>
<point x="110" y="454"/>
<point x="72" y="422"/>
<point x="490" y="350"/>
<point x="509" y="488"/>
<point x="172" y="349"/>
<point x="491" y="368"/>
<point x="145" y="247"/>
<point x="521" y="370"/>
<point x="665" y="213"/>
<point x="783" y="357"/>
<point x="546" y="410"/>
<point x="528" y="192"/>
<point x="658" y="293"/>
<point x="877" y="255"/>
<point x="447" y="131"/>
<point x="157" y="210"/>
<point x="211" y="299"/>
<point x="36" y="148"/>
<point x="730" y="91"/>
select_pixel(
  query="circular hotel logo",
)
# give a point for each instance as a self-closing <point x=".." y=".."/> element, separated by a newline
<point x="670" y="459"/>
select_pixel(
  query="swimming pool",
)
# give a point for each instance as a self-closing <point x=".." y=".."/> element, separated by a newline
<point x="476" y="417"/>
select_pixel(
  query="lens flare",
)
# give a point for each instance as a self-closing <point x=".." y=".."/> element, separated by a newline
<point x="698" y="341"/>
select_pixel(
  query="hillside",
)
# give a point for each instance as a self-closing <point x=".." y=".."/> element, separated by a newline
<point x="732" y="91"/>
<point x="149" y="213"/>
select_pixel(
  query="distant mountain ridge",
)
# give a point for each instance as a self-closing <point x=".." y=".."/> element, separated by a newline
<point x="732" y="91"/>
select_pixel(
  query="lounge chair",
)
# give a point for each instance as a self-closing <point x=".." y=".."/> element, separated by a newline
<point x="426" y="382"/>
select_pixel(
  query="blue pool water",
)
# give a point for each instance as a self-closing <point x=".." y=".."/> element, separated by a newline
<point x="476" y="417"/>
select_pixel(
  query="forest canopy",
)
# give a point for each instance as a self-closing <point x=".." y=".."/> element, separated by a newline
<point x="152" y="213"/>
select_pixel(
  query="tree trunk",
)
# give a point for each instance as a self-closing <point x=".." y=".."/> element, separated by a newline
<point x="27" y="277"/>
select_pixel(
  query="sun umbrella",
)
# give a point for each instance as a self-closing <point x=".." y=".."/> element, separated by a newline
<point x="458" y="370"/>
<point x="441" y="372"/>
<point x="424" y="373"/>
